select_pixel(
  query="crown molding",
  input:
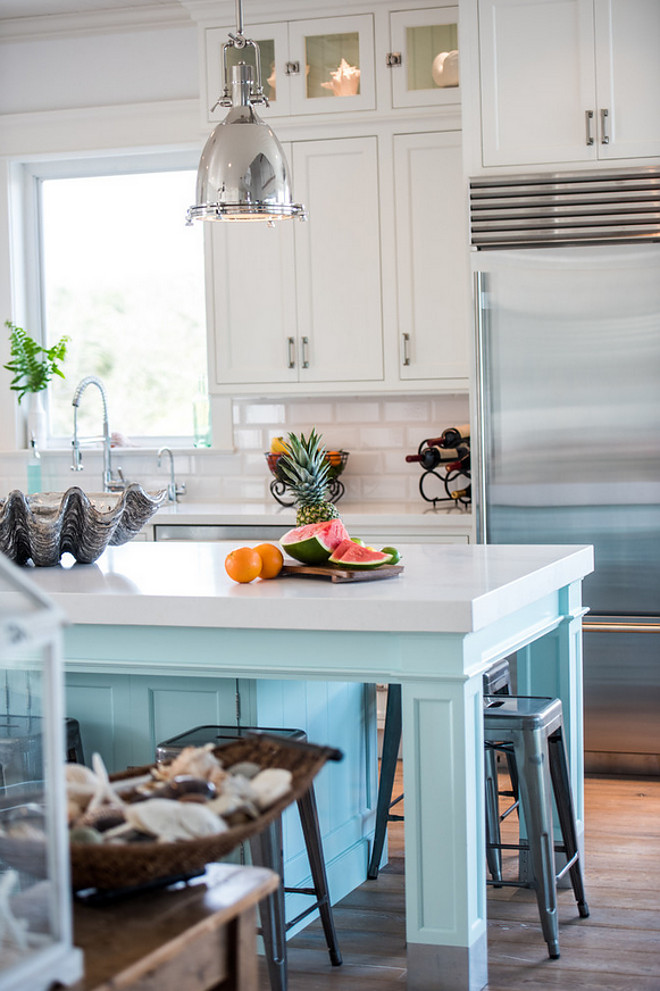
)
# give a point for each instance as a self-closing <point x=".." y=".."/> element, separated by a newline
<point x="169" y="14"/>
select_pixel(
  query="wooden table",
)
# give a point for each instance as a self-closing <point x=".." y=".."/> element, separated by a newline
<point x="191" y="937"/>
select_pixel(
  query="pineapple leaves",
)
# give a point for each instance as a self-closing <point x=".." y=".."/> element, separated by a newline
<point x="32" y="365"/>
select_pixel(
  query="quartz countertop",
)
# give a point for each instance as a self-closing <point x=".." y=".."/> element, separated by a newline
<point x="443" y="588"/>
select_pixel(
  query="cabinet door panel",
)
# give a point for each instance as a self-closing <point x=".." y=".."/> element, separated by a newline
<point x="252" y="301"/>
<point x="336" y="59"/>
<point x="538" y="72"/>
<point x="338" y="260"/>
<point x="628" y="80"/>
<point x="432" y="270"/>
<point x="421" y="36"/>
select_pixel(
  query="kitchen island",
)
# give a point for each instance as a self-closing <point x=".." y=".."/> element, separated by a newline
<point x="169" y="609"/>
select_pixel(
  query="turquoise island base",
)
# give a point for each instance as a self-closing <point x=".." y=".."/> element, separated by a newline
<point x="161" y="640"/>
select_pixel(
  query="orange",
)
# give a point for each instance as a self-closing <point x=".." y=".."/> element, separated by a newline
<point x="243" y="564"/>
<point x="272" y="560"/>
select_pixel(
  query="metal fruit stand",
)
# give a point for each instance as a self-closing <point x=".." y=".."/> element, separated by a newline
<point x="36" y="946"/>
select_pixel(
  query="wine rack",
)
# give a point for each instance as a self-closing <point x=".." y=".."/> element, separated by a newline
<point x="445" y="459"/>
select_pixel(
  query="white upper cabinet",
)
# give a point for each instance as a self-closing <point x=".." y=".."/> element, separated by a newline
<point x="301" y="303"/>
<point x="318" y="66"/>
<point x="433" y="281"/>
<point x="569" y="80"/>
<point x="424" y="57"/>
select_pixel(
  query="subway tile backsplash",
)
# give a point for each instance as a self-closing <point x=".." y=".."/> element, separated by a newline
<point x="378" y="433"/>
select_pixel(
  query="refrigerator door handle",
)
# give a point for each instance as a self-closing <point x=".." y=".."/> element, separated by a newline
<point x="603" y="625"/>
<point x="479" y="463"/>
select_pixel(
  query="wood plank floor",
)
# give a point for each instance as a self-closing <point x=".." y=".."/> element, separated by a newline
<point x="616" y="949"/>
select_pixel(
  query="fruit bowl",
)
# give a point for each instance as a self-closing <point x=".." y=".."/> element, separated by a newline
<point x="279" y="485"/>
<point x="44" y="526"/>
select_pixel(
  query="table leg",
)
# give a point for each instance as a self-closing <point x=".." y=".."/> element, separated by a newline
<point x="444" y="835"/>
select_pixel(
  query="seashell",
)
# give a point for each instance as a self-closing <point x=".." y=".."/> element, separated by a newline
<point x="185" y="787"/>
<point x="102" y="818"/>
<point x="246" y="768"/>
<point x="104" y="792"/>
<point x="170" y="821"/>
<point x="270" y="785"/>
<point x="85" y="834"/>
<point x="228" y="806"/>
<point x="197" y="762"/>
<point x="44" y="526"/>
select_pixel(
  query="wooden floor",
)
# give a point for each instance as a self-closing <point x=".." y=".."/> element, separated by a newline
<point x="616" y="949"/>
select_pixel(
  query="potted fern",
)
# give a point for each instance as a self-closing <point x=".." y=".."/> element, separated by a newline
<point x="33" y="366"/>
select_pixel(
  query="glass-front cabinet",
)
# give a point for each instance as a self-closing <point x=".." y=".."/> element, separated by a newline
<point x="318" y="66"/>
<point x="35" y="899"/>
<point x="424" y="60"/>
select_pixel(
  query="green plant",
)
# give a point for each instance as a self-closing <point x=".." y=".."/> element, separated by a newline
<point x="33" y="366"/>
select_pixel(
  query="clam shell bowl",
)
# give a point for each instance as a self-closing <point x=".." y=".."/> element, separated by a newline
<point x="42" y="527"/>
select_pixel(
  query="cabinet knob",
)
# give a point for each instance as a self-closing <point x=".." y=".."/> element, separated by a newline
<point x="588" y="118"/>
<point x="292" y="68"/>
<point x="604" y="121"/>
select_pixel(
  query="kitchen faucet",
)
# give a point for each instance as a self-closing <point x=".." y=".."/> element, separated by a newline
<point x="173" y="490"/>
<point x="110" y="483"/>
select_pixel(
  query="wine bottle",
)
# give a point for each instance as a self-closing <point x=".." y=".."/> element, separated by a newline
<point x="431" y="457"/>
<point x="465" y="493"/>
<point x="451" y="437"/>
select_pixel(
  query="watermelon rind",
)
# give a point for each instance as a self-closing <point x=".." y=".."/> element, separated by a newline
<point x="314" y="542"/>
<point x="355" y="557"/>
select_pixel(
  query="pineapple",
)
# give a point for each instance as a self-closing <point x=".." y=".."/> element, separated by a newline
<point x="306" y="469"/>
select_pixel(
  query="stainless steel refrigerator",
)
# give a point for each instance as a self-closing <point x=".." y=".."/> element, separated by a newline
<point x="567" y="417"/>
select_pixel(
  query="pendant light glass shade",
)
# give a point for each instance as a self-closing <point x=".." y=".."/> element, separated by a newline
<point x="243" y="173"/>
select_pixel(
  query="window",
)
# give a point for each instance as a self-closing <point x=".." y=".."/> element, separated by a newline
<point x="123" y="277"/>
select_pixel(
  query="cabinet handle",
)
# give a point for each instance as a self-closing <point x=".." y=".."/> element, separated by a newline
<point x="588" y="117"/>
<point x="406" y="349"/>
<point x="305" y="351"/>
<point x="604" y="134"/>
<point x="292" y="68"/>
<point x="291" y="345"/>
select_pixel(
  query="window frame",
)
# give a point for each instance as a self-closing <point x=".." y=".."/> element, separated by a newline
<point x="31" y="176"/>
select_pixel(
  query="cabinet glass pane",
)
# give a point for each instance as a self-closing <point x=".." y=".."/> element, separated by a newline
<point x="332" y="64"/>
<point x="267" y="64"/>
<point x="432" y="56"/>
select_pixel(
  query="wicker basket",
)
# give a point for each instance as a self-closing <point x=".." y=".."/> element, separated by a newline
<point x="108" y="867"/>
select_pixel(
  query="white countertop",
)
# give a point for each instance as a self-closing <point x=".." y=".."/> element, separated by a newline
<point x="443" y="588"/>
<point x="413" y="516"/>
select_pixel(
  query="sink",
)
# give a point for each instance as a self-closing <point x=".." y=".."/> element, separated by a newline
<point x="44" y="526"/>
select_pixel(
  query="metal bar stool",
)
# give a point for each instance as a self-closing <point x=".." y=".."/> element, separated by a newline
<point x="266" y="850"/>
<point x="496" y="680"/>
<point x="21" y="748"/>
<point x="530" y="729"/>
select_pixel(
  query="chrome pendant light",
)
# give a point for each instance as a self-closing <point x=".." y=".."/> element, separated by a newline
<point x="243" y="174"/>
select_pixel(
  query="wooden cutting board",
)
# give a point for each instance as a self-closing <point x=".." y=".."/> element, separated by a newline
<point x="333" y="573"/>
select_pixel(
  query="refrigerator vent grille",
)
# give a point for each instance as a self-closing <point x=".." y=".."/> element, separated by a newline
<point x="565" y="208"/>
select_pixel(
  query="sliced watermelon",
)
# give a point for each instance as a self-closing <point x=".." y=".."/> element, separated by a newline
<point x="314" y="542"/>
<point x="348" y="554"/>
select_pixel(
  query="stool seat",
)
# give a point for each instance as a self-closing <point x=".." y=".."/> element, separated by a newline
<point x="531" y="730"/>
<point x="266" y="850"/>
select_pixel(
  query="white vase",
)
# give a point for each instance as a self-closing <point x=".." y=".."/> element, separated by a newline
<point x="37" y="421"/>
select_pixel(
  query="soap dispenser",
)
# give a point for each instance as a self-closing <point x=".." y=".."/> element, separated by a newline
<point x="33" y="468"/>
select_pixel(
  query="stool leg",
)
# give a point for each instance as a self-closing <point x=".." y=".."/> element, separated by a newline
<point x="535" y="793"/>
<point x="266" y="849"/>
<point x="493" y="835"/>
<point x="566" y="814"/>
<point x="391" y="744"/>
<point x="309" y="821"/>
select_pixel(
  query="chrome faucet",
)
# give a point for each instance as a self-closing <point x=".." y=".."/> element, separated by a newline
<point x="173" y="490"/>
<point x="110" y="482"/>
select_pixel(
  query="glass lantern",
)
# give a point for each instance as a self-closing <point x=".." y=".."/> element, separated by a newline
<point x="36" y="948"/>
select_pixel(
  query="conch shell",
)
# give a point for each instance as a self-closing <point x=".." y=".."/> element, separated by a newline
<point x="345" y="80"/>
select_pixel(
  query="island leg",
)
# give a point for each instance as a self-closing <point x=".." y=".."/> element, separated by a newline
<point x="444" y="834"/>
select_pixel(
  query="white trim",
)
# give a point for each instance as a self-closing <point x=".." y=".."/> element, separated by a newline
<point x="40" y="27"/>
